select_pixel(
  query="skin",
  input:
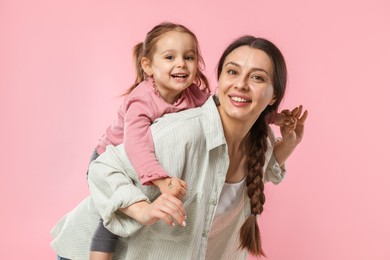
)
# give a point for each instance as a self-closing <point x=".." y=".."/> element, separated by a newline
<point x="173" y="68"/>
<point x="173" y="65"/>
<point x="245" y="90"/>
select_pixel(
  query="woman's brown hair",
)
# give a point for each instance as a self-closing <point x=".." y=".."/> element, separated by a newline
<point x="257" y="143"/>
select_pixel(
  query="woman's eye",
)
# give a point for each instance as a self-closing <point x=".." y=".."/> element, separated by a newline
<point x="231" y="72"/>
<point x="258" y="78"/>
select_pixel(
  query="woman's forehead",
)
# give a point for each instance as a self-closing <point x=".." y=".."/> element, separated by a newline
<point x="249" y="57"/>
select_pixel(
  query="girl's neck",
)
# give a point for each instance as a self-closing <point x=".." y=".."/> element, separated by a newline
<point x="169" y="96"/>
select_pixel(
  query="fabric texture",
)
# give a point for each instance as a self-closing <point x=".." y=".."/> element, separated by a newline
<point x="192" y="146"/>
<point x="131" y="127"/>
<point x="103" y="240"/>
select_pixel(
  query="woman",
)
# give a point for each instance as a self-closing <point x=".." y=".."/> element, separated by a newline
<point x="219" y="149"/>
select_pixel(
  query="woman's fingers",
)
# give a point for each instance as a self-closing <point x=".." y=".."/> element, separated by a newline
<point x="172" y="208"/>
<point x="302" y="119"/>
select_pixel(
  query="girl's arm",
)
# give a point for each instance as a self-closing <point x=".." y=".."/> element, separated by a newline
<point x="140" y="150"/>
<point x="115" y="189"/>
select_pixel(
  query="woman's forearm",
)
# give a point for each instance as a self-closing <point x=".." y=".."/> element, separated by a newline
<point x="282" y="151"/>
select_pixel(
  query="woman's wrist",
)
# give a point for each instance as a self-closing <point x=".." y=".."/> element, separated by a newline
<point x="134" y="210"/>
<point x="287" y="144"/>
<point x="283" y="150"/>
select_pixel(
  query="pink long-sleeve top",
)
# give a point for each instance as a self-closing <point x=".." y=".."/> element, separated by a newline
<point x="132" y="126"/>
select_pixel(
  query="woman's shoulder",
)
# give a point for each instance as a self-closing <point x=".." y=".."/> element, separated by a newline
<point x="191" y="117"/>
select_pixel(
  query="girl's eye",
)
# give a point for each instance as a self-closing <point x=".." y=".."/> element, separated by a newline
<point x="169" y="57"/>
<point x="189" y="57"/>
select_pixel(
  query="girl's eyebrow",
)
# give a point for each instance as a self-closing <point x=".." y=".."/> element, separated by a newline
<point x="253" y="69"/>
<point x="173" y="50"/>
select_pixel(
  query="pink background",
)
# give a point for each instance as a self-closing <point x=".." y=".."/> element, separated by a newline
<point x="63" y="65"/>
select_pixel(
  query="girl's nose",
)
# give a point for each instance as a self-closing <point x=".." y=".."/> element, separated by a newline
<point x="181" y="63"/>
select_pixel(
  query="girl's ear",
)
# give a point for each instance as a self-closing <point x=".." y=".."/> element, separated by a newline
<point x="146" y="66"/>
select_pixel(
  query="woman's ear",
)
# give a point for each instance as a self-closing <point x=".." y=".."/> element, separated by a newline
<point x="146" y="66"/>
<point x="273" y="100"/>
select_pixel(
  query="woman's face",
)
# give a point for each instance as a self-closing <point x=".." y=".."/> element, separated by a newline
<point x="245" y="85"/>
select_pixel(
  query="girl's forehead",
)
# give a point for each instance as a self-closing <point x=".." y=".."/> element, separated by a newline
<point x="175" y="36"/>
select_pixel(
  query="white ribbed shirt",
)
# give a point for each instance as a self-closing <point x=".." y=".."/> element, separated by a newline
<point x="189" y="145"/>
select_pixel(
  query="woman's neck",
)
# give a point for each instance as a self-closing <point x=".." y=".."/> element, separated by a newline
<point x="236" y="136"/>
<point x="235" y="131"/>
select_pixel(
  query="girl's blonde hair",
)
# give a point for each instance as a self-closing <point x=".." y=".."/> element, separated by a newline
<point x="148" y="47"/>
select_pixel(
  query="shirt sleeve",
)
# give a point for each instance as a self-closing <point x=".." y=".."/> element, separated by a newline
<point x="112" y="187"/>
<point x="274" y="172"/>
<point x="138" y="140"/>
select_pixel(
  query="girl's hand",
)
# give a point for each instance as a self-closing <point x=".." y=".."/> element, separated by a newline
<point x="165" y="207"/>
<point x="292" y="133"/>
<point x="172" y="186"/>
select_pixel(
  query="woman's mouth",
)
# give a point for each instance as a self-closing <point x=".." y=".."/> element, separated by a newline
<point x="240" y="99"/>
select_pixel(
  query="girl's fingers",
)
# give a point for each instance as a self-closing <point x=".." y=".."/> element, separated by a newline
<point x="183" y="184"/>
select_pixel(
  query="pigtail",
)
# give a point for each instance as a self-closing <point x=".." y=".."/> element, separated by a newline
<point x="201" y="79"/>
<point x="138" y="50"/>
<point x="250" y="232"/>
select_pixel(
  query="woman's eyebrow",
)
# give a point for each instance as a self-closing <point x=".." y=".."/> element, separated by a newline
<point x="260" y="69"/>
<point x="253" y="69"/>
<point x="232" y="63"/>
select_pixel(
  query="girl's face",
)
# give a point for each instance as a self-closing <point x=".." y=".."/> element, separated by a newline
<point x="245" y="85"/>
<point x="173" y="65"/>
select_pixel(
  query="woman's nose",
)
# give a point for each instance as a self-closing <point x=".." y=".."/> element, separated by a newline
<point x="241" y="84"/>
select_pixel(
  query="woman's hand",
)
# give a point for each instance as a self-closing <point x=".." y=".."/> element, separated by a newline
<point x="292" y="133"/>
<point x="165" y="207"/>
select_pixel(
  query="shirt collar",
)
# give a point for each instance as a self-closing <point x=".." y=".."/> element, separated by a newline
<point x="212" y="124"/>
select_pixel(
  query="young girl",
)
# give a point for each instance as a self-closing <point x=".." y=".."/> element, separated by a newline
<point x="169" y="79"/>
